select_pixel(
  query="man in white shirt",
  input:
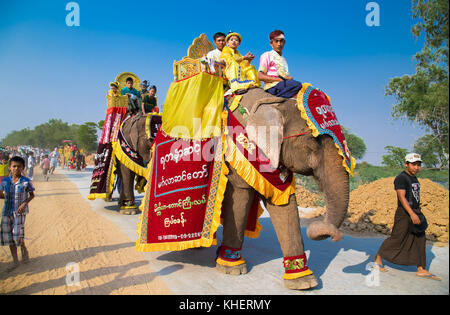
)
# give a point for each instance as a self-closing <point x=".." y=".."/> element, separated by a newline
<point x="214" y="55"/>
<point x="30" y="164"/>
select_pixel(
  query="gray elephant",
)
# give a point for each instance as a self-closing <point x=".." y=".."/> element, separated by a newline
<point x="303" y="154"/>
<point x="139" y="140"/>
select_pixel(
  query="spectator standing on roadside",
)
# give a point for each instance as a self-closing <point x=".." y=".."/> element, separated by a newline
<point x="53" y="160"/>
<point x="18" y="191"/>
<point x="4" y="168"/>
<point x="407" y="243"/>
<point x="31" y="163"/>
<point x="45" y="165"/>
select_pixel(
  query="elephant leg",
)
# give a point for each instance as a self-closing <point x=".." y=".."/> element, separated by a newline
<point x="126" y="200"/>
<point x="236" y="205"/>
<point x="286" y="222"/>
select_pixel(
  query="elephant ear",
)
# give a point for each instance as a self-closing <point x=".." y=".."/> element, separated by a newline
<point x="265" y="129"/>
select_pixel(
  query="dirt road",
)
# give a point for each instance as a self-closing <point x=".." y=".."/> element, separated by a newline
<point x="64" y="235"/>
<point x="63" y="227"/>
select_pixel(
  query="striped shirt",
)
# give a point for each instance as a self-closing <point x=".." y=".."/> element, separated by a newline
<point x="15" y="194"/>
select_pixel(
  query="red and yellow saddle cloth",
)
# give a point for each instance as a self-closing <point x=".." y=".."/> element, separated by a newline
<point x="181" y="206"/>
<point x="124" y="152"/>
<point x="187" y="179"/>
<point x="102" y="180"/>
<point x="316" y="110"/>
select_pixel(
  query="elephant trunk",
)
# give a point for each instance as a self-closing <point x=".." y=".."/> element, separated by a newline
<point x="334" y="182"/>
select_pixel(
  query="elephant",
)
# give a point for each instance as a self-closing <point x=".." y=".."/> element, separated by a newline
<point x="134" y="133"/>
<point x="302" y="154"/>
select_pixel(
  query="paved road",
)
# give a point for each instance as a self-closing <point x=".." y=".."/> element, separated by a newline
<point x="341" y="268"/>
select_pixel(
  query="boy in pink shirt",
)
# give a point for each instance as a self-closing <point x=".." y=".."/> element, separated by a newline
<point x="45" y="165"/>
<point x="274" y="70"/>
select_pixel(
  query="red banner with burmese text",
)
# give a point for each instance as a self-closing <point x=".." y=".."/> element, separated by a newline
<point x="316" y="109"/>
<point x="182" y="203"/>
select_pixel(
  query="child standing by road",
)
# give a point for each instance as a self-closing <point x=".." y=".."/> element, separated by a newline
<point x="4" y="169"/>
<point x="45" y="165"/>
<point x="18" y="191"/>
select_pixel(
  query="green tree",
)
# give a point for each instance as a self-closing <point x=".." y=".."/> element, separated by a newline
<point x="100" y="125"/>
<point x="395" y="156"/>
<point x="355" y="144"/>
<point x="430" y="150"/>
<point x="87" y="136"/>
<point x="423" y="97"/>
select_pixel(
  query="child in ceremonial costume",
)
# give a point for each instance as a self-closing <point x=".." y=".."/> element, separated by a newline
<point x="239" y="71"/>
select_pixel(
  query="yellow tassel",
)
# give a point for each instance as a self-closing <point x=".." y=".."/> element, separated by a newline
<point x="125" y="160"/>
<point x="226" y="263"/>
<point x="291" y="276"/>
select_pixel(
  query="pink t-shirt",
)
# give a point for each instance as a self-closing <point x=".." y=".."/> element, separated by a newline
<point x="272" y="64"/>
<point x="45" y="163"/>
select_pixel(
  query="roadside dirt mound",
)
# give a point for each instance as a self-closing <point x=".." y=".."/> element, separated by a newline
<point x="309" y="202"/>
<point x="372" y="208"/>
<point x="305" y="198"/>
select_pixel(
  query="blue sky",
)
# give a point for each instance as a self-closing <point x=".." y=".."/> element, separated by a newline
<point x="50" y="70"/>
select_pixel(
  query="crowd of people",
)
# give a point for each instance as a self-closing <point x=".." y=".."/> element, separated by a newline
<point x="68" y="156"/>
<point x="140" y="102"/>
<point x="242" y="75"/>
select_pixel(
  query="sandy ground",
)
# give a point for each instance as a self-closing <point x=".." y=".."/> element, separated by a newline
<point x="63" y="234"/>
<point x="101" y="241"/>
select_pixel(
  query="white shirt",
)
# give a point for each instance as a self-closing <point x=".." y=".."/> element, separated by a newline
<point x="214" y="54"/>
<point x="212" y="57"/>
<point x="30" y="161"/>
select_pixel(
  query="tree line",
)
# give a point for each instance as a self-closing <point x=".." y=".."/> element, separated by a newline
<point x="422" y="98"/>
<point x="52" y="134"/>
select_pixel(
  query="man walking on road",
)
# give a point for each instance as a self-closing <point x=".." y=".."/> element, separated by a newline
<point x="407" y="243"/>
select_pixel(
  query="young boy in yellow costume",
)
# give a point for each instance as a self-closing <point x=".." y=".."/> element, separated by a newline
<point x="4" y="167"/>
<point x="239" y="71"/>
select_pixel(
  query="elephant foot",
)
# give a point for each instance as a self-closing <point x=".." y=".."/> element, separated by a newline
<point x="128" y="211"/>
<point x="128" y="207"/>
<point x="303" y="283"/>
<point x="232" y="270"/>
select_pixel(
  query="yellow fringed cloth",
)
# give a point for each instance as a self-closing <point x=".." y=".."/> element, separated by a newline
<point x="127" y="155"/>
<point x="254" y="167"/>
<point x="193" y="107"/>
<point x="102" y="180"/>
<point x="239" y="72"/>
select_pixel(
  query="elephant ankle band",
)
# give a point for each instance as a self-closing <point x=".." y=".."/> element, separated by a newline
<point x="295" y="267"/>
<point x="230" y="256"/>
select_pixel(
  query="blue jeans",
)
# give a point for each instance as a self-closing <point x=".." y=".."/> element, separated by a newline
<point x="286" y="89"/>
